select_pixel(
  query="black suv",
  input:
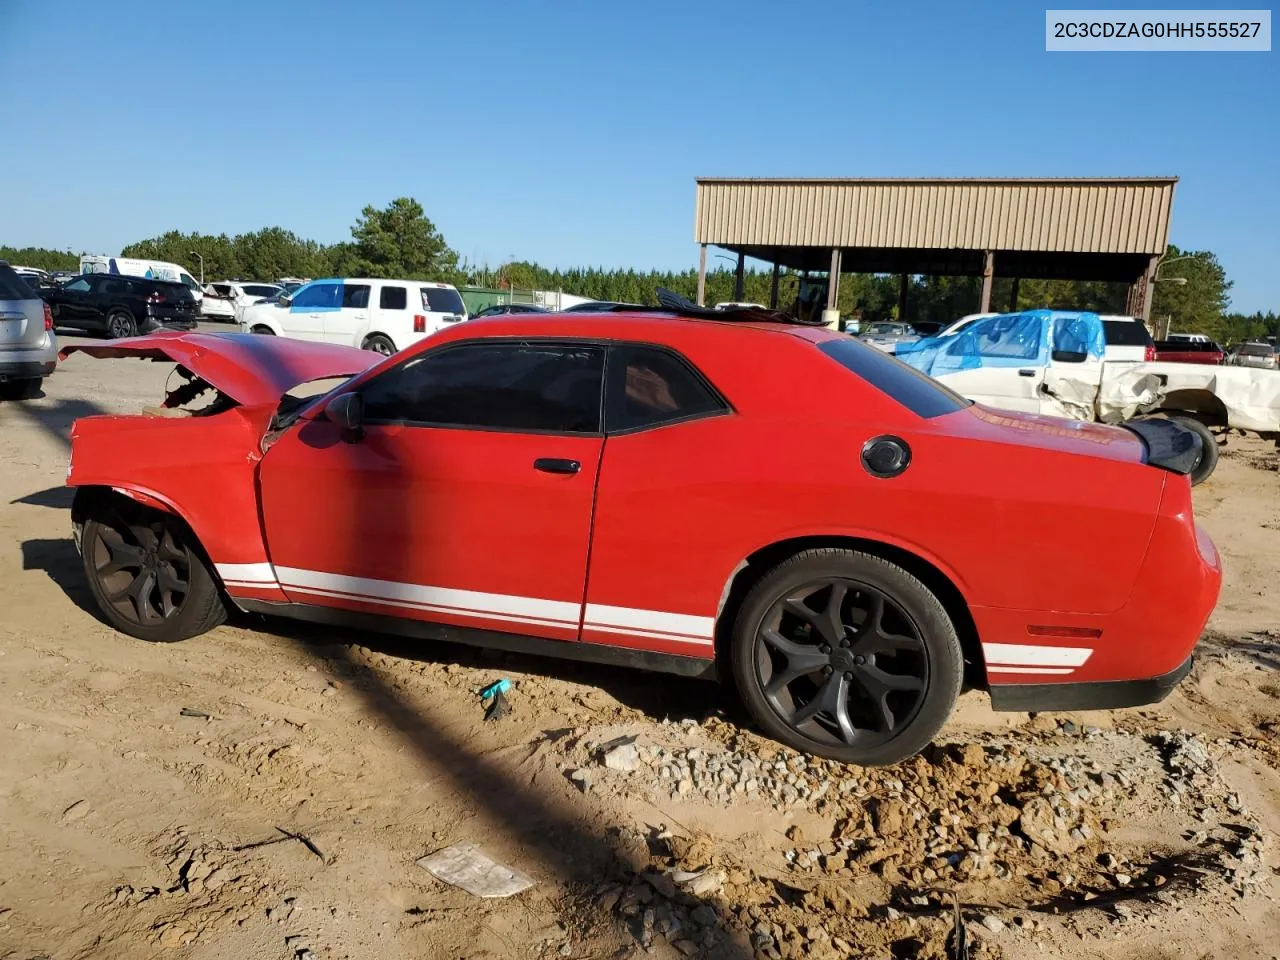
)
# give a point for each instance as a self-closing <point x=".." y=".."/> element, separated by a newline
<point x="121" y="306"/>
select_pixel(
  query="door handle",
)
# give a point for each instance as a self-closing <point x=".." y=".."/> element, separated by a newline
<point x="556" y="465"/>
<point x="1026" y="373"/>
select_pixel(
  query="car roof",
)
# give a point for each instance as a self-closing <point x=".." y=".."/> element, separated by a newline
<point x="654" y="324"/>
<point x="419" y="283"/>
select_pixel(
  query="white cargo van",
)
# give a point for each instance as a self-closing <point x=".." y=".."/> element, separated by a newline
<point x="153" y="269"/>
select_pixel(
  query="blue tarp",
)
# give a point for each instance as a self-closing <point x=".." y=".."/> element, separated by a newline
<point x="1026" y="339"/>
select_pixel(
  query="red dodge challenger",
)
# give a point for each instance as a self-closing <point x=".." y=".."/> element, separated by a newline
<point x="702" y="492"/>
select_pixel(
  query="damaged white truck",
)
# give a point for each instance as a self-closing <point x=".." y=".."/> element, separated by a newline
<point x="1053" y="362"/>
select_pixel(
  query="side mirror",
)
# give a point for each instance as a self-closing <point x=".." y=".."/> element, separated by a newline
<point x="1069" y="356"/>
<point x="347" y="411"/>
<point x="285" y="301"/>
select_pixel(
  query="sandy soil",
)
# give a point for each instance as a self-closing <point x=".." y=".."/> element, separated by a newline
<point x="265" y="791"/>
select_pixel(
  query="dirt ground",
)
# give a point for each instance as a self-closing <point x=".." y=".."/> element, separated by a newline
<point x="266" y="790"/>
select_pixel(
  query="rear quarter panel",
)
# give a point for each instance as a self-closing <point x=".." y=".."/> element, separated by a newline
<point x="1013" y="525"/>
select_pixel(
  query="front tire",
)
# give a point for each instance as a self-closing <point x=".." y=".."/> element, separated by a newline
<point x="145" y="573"/>
<point x="20" y="389"/>
<point x="120" y="324"/>
<point x="1208" y="461"/>
<point x="848" y="656"/>
<point x="263" y="330"/>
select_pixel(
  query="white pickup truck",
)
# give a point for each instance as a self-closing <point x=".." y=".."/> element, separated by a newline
<point x="1055" y="362"/>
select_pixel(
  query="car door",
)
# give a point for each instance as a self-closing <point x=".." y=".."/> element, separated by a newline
<point x="347" y="324"/>
<point x="305" y="318"/>
<point x="465" y="499"/>
<point x="70" y="303"/>
<point x="1073" y="375"/>
<point x="389" y="315"/>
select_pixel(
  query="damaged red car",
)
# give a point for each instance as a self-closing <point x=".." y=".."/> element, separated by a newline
<point x="714" y="493"/>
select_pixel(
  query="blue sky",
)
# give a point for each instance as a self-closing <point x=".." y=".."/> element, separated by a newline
<point x="569" y="132"/>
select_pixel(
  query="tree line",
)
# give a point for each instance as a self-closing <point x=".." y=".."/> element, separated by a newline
<point x="399" y="241"/>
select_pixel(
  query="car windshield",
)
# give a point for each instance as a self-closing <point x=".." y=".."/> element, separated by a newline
<point x="1257" y="350"/>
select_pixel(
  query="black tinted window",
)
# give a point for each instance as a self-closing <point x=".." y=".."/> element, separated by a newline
<point x="355" y="295"/>
<point x="552" y="388"/>
<point x="393" y="298"/>
<point x="12" y="286"/>
<point x="920" y="394"/>
<point x="442" y="300"/>
<point x="1125" y="333"/>
<point x="649" y="387"/>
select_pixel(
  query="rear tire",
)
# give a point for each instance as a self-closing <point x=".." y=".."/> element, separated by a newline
<point x="20" y="389"/>
<point x="1208" y="461"/>
<point x="848" y="656"/>
<point x="378" y="344"/>
<point x="120" y="324"/>
<point x="263" y="331"/>
<point x="146" y="573"/>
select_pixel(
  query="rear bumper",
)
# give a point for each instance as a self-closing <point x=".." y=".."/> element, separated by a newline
<point x="150" y="324"/>
<point x="1098" y="695"/>
<point x="32" y="368"/>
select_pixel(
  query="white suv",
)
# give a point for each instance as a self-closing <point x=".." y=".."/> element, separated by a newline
<point x="223" y="298"/>
<point x="379" y="315"/>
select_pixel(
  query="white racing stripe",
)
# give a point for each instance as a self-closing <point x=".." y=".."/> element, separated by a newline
<point x="650" y="621"/>
<point x="623" y="621"/>
<point x="465" y="601"/>
<point x="246" y="573"/>
<point x="1031" y="655"/>
<point x="696" y="641"/>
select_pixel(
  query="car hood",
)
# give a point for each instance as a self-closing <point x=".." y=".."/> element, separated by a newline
<point x="249" y="368"/>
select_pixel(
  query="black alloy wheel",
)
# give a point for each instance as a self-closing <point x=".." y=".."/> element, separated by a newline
<point x="846" y="655"/>
<point x="142" y="571"/>
<point x="121" y="325"/>
<point x="842" y="663"/>
<point x="145" y="575"/>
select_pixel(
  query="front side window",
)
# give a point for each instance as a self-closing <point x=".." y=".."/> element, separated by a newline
<point x="355" y="296"/>
<point x="319" y="296"/>
<point x="649" y="387"/>
<point x="497" y="385"/>
<point x="393" y="298"/>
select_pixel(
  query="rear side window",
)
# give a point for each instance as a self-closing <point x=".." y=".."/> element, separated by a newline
<point x="12" y="286"/>
<point x="498" y="385"/>
<point x="918" y="392"/>
<point x="393" y="298"/>
<point x="1125" y="333"/>
<point x="355" y="295"/>
<point x="260" y="290"/>
<point x="650" y="387"/>
<point x="442" y="300"/>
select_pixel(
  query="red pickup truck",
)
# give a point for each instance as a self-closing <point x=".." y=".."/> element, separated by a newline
<point x="1189" y="351"/>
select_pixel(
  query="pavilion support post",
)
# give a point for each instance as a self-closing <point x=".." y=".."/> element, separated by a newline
<point x="988" y="274"/>
<point x="1145" y="288"/>
<point x="773" y="284"/>
<point x="1013" y="296"/>
<point x="738" y="286"/>
<point x="903" y="285"/>
<point x="833" y="281"/>
<point x="702" y="275"/>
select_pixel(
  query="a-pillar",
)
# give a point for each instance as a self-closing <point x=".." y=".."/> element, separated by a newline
<point x="988" y="274"/>
<point x="702" y="275"/>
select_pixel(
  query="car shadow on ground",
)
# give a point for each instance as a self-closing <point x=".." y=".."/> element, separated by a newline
<point x="55" y="498"/>
<point x="1260" y="647"/>
<point x="59" y="559"/>
<point x="658" y="696"/>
